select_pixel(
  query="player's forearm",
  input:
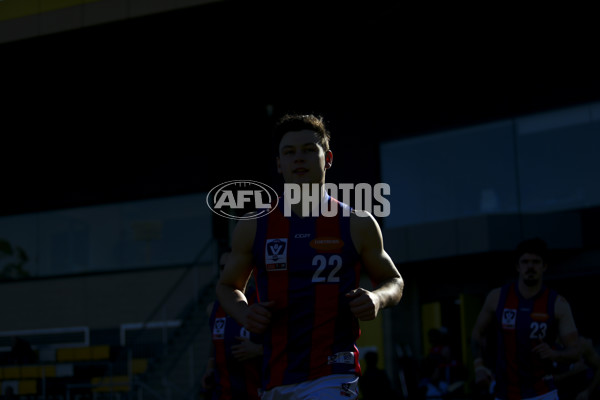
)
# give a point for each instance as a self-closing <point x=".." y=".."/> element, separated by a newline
<point x="233" y="301"/>
<point x="390" y="291"/>
<point x="593" y="384"/>
<point x="570" y="354"/>
<point x="210" y="364"/>
<point x="476" y="348"/>
<point x="478" y="342"/>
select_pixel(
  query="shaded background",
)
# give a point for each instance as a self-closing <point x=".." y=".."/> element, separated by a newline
<point x="179" y="101"/>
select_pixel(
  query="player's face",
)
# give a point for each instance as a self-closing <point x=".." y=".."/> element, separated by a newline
<point x="302" y="159"/>
<point x="531" y="268"/>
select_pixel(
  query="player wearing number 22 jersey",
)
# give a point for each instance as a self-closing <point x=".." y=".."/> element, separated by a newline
<point x="524" y="323"/>
<point x="307" y="275"/>
<point x="306" y="266"/>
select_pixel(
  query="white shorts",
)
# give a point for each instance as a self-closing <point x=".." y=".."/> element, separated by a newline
<point x="332" y="387"/>
<point x="553" y="395"/>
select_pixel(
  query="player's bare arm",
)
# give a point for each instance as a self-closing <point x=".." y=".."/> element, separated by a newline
<point x="568" y="335"/>
<point x="368" y="241"/>
<point x="235" y="275"/>
<point x="484" y="320"/>
<point x="591" y="358"/>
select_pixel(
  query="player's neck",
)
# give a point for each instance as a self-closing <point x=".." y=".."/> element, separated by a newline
<point x="528" y="291"/>
<point x="305" y="211"/>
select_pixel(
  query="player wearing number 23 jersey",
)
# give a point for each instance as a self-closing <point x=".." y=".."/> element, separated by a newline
<point x="306" y="266"/>
<point x="528" y="319"/>
<point x="524" y="323"/>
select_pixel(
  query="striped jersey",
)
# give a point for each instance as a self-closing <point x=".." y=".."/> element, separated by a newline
<point x="233" y="379"/>
<point x="523" y="324"/>
<point x="306" y="266"/>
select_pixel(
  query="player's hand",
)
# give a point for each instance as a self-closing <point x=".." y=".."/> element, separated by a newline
<point x="544" y="351"/>
<point x="208" y="380"/>
<point x="483" y="377"/>
<point x="258" y="317"/>
<point x="585" y="395"/>
<point x="364" y="305"/>
<point x="246" y="349"/>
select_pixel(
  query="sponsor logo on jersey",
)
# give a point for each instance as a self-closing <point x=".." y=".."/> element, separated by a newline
<point x="326" y="243"/>
<point x="344" y="357"/>
<point x="540" y="317"/>
<point x="276" y="254"/>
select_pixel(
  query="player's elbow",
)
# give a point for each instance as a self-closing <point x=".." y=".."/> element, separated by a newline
<point x="223" y="291"/>
<point x="394" y="288"/>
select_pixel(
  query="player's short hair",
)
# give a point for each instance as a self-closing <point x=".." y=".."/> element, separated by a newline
<point x="298" y="122"/>
<point x="535" y="246"/>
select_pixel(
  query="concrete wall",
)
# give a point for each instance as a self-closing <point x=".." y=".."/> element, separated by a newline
<point x="97" y="301"/>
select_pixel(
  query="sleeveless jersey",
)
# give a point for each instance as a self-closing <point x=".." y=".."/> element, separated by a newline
<point x="522" y="325"/>
<point x="306" y="266"/>
<point x="234" y="380"/>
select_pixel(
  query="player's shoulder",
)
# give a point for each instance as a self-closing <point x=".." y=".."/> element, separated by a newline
<point x="246" y="223"/>
<point x="493" y="298"/>
<point x="209" y="308"/>
<point x="561" y="304"/>
<point x="365" y="231"/>
<point x="362" y="216"/>
<point x="363" y="222"/>
<point x="245" y="229"/>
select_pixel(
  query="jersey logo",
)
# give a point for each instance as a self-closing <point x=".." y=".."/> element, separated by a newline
<point x="244" y="333"/>
<point x="276" y="254"/>
<point x="219" y="328"/>
<point x="326" y="243"/>
<point x="349" y="390"/>
<point x="509" y="318"/>
<point x="540" y="317"/>
<point x="345" y="357"/>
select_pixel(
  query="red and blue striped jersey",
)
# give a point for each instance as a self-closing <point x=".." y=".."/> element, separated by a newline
<point x="522" y="325"/>
<point x="306" y="266"/>
<point x="233" y="379"/>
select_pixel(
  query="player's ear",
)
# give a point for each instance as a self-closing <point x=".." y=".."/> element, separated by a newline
<point x="328" y="159"/>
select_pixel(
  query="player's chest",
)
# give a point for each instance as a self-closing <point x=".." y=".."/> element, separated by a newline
<point x="308" y="255"/>
<point x="526" y="319"/>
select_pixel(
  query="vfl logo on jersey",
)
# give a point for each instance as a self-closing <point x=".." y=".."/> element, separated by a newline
<point x="344" y="357"/>
<point x="219" y="328"/>
<point x="509" y="318"/>
<point x="276" y="254"/>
